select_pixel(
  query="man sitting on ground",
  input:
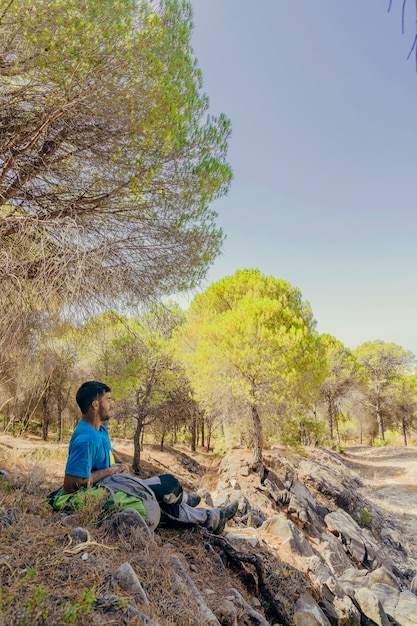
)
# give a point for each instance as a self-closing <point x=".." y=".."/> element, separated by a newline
<point x="92" y="464"/>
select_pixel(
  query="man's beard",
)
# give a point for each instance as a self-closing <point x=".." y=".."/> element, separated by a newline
<point x="104" y="418"/>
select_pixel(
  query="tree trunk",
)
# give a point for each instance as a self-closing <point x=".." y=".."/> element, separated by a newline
<point x="161" y="445"/>
<point x="203" y="436"/>
<point x="404" y="427"/>
<point x="336" y="424"/>
<point x="379" y="421"/>
<point x="45" y="418"/>
<point x="59" y="417"/>
<point x="301" y="433"/>
<point x="330" y="419"/>
<point x="137" y="435"/>
<point x="193" y="430"/>
<point x="259" y="443"/>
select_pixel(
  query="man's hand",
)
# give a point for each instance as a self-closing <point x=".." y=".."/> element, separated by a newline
<point x="120" y="468"/>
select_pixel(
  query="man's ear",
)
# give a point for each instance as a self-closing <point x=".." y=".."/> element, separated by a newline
<point x="95" y="404"/>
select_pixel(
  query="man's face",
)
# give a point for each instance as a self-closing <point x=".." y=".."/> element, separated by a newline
<point x="105" y="406"/>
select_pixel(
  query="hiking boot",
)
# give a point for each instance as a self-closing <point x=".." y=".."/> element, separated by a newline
<point x="192" y="499"/>
<point x="226" y="514"/>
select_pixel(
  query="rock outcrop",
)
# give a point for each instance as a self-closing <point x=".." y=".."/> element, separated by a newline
<point x="323" y="525"/>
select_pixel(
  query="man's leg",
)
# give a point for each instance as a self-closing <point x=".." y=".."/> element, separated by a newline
<point x="212" y="518"/>
<point x="168" y="490"/>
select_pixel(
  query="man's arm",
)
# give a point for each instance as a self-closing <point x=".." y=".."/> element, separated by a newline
<point x="73" y="483"/>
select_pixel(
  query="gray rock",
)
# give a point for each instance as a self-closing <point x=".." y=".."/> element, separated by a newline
<point x="288" y="533"/>
<point x="346" y="611"/>
<point x="222" y="485"/>
<point x="259" y="501"/>
<point x="338" y="485"/>
<point x="384" y="576"/>
<point x="371" y="606"/>
<point x="336" y="604"/>
<point x="130" y="518"/>
<point x="353" y="579"/>
<point x="308" y="613"/>
<point x="357" y="541"/>
<point x="406" y="609"/>
<point x="107" y="601"/>
<point x="322" y="579"/>
<point x="334" y="554"/>
<point x="80" y="535"/>
<point x="302" y="505"/>
<point x="185" y="588"/>
<point x="252" y="540"/>
<point x="206" y="495"/>
<point x="389" y="597"/>
<point x="4" y="475"/>
<point x="401" y="607"/>
<point x="221" y="498"/>
<point x="255" y="618"/>
<point x="127" y="580"/>
<point x="227" y="614"/>
<point x="110" y="603"/>
<point x="413" y="585"/>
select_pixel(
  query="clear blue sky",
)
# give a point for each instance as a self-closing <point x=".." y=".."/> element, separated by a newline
<point x="323" y="105"/>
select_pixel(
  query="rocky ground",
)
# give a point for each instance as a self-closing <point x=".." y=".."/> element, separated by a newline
<point x="326" y="539"/>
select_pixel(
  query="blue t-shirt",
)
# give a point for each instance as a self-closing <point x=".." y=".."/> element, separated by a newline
<point x="88" y="450"/>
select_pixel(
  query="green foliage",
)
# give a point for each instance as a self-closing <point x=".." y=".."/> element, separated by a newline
<point x="348" y="432"/>
<point x="30" y="574"/>
<point x="89" y="504"/>
<point x="290" y="438"/>
<point x="392" y="438"/>
<point x="339" y="379"/>
<point x="290" y="434"/>
<point x="135" y="357"/>
<point x="37" y="610"/>
<point x="5" y="598"/>
<point x="365" y="518"/>
<point x="383" y="366"/>
<point x="249" y="338"/>
<point x="110" y="159"/>
<point x="250" y="335"/>
<point x="75" y="612"/>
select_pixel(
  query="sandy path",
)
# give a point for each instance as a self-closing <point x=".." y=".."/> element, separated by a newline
<point x="389" y="475"/>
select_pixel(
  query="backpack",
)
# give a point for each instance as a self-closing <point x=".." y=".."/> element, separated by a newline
<point x="123" y="491"/>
